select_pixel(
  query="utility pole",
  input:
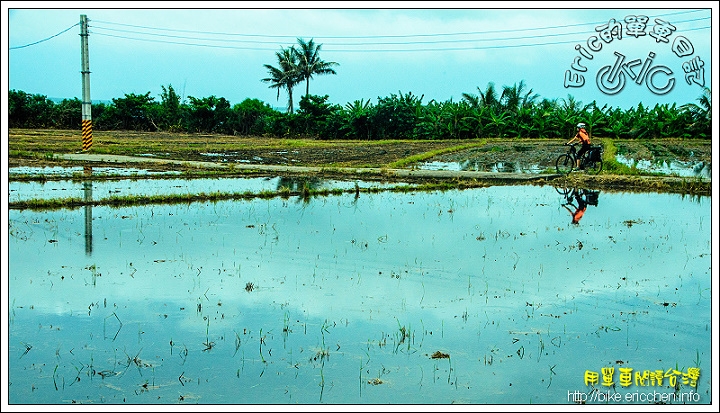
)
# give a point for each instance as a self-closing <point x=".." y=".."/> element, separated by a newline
<point x="85" y="70"/>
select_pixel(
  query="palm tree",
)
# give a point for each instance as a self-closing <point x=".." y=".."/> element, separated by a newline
<point x="702" y="109"/>
<point x="700" y="115"/>
<point x="489" y="97"/>
<point x="309" y="62"/>
<point x="472" y="100"/>
<point x="515" y="98"/>
<point x="286" y="75"/>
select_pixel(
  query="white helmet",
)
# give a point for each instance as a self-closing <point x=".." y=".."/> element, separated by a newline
<point x="580" y="125"/>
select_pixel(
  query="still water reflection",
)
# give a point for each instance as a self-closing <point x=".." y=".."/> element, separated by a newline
<point x="104" y="189"/>
<point x="697" y="169"/>
<point x="486" y="295"/>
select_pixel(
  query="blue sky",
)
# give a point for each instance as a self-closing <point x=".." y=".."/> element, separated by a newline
<point x="439" y="54"/>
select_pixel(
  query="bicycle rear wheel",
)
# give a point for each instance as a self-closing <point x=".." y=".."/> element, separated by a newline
<point x="564" y="164"/>
<point x="594" y="168"/>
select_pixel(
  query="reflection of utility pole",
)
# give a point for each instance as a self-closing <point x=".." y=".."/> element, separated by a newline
<point x="85" y="70"/>
<point x="87" y="189"/>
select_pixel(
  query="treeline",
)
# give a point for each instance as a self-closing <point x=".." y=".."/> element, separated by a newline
<point x="511" y="113"/>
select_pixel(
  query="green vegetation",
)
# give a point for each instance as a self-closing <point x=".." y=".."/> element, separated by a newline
<point x="515" y="114"/>
<point x="610" y="164"/>
<point x="427" y="155"/>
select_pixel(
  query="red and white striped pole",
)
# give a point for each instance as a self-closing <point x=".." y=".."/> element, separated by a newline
<point x="86" y="106"/>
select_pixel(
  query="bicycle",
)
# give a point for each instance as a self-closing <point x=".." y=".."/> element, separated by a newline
<point x="591" y="161"/>
<point x="569" y="193"/>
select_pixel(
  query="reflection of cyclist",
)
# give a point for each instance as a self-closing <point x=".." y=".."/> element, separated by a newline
<point x="581" y="136"/>
<point x="579" y="211"/>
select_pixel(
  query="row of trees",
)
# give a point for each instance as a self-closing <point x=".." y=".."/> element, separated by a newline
<point x="509" y="113"/>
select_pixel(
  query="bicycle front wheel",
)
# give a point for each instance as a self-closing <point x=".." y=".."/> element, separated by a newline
<point x="564" y="191"/>
<point x="594" y="168"/>
<point x="564" y="164"/>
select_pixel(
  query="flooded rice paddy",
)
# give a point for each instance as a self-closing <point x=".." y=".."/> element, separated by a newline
<point x="511" y="167"/>
<point x="104" y="189"/>
<point x="478" y="296"/>
<point x="687" y="169"/>
<point x="691" y="169"/>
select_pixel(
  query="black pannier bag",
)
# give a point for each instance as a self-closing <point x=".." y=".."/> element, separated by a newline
<point x="596" y="154"/>
<point x="591" y="197"/>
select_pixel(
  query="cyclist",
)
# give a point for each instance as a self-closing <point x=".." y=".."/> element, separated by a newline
<point x="583" y="137"/>
<point x="579" y="209"/>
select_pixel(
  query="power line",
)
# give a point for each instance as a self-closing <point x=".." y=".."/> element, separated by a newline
<point x="100" y="31"/>
<point x="391" y="36"/>
<point x="446" y="49"/>
<point x="443" y="49"/>
<point x="342" y="44"/>
<point x="496" y="39"/>
<point x="330" y="46"/>
<point x="179" y="43"/>
<point x="43" y="40"/>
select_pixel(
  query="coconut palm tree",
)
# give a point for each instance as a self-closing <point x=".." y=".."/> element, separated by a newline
<point x="472" y="100"/>
<point x="514" y="97"/>
<point x="487" y="98"/>
<point x="286" y="74"/>
<point x="309" y="62"/>
<point x="701" y="110"/>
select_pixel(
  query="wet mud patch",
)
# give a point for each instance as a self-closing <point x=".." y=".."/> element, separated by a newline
<point x="334" y="154"/>
<point x="666" y="150"/>
<point x="514" y="154"/>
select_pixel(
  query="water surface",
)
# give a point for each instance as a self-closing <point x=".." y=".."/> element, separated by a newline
<point x="480" y="296"/>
